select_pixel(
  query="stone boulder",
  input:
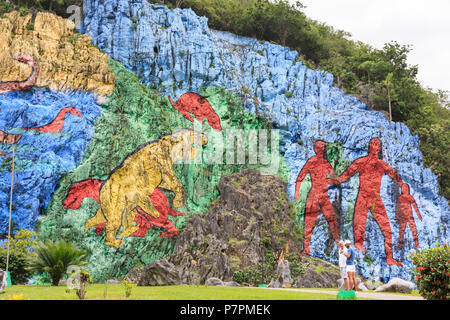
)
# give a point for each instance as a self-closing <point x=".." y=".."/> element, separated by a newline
<point x="362" y="287"/>
<point x="312" y="278"/>
<point x="284" y="274"/>
<point x="158" y="273"/>
<point x="359" y="283"/>
<point x="214" y="282"/>
<point x="228" y="237"/>
<point x="112" y="281"/>
<point x="231" y="284"/>
<point x="274" y="284"/>
<point x="396" y="285"/>
<point x="372" y="285"/>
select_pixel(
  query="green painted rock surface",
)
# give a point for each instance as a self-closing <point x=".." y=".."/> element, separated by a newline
<point x="132" y="116"/>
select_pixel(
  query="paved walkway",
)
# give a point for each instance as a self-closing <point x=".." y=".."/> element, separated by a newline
<point x="359" y="294"/>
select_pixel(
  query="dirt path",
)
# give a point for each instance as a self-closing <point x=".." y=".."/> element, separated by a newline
<point x="359" y="294"/>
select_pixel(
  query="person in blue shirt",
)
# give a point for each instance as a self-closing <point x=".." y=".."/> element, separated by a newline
<point x="350" y="254"/>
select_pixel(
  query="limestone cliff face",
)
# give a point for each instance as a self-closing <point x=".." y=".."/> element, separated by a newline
<point x="175" y="52"/>
<point x="71" y="141"/>
<point x="67" y="60"/>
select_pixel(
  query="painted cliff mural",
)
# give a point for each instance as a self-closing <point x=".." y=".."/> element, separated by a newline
<point x="133" y="191"/>
<point x="98" y="132"/>
<point x="9" y="86"/>
<point x="371" y="169"/>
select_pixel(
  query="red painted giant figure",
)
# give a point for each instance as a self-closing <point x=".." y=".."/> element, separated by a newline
<point x="371" y="170"/>
<point x="404" y="216"/>
<point x="317" y="202"/>
<point x="193" y="103"/>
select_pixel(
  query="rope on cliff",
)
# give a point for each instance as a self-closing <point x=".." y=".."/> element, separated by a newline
<point x="10" y="208"/>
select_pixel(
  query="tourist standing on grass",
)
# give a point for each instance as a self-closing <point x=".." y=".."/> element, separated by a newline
<point x="343" y="263"/>
<point x="350" y="265"/>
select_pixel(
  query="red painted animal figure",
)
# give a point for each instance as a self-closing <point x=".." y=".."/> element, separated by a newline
<point x="57" y="125"/>
<point x="193" y="103"/>
<point x="91" y="189"/>
<point x="8" y="138"/>
<point x="81" y="190"/>
<point x="146" y="221"/>
<point x="404" y="216"/>
<point x="26" y="84"/>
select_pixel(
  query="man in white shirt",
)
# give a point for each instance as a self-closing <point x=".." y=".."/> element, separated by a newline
<point x="343" y="263"/>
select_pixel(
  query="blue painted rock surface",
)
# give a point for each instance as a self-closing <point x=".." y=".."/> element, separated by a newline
<point x="41" y="157"/>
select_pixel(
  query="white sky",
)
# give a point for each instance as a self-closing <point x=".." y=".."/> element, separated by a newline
<point x="423" y="24"/>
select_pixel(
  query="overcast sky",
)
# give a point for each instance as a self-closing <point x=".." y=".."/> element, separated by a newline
<point x="423" y="24"/>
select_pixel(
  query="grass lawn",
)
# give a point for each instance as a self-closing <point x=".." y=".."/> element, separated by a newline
<point x="184" y="292"/>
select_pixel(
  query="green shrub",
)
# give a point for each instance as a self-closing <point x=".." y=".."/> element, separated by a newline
<point x="21" y="249"/>
<point x="128" y="286"/>
<point x="17" y="266"/>
<point x="55" y="259"/>
<point x="79" y="282"/>
<point x="295" y="265"/>
<point x="248" y="275"/>
<point x="432" y="272"/>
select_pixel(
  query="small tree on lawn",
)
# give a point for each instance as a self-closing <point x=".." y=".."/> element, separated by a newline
<point x="21" y="249"/>
<point x="432" y="273"/>
<point x="55" y="258"/>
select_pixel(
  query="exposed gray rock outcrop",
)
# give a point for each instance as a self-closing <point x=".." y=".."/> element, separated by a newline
<point x="396" y="285"/>
<point x="252" y="218"/>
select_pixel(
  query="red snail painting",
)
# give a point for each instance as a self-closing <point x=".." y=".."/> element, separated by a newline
<point x="26" y="84"/>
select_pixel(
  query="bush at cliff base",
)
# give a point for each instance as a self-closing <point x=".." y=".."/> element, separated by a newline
<point x="346" y="295"/>
<point x="432" y="272"/>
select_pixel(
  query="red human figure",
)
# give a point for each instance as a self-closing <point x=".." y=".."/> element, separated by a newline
<point x="317" y="202"/>
<point x="404" y="216"/>
<point x="193" y="103"/>
<point x="371" y="169"/>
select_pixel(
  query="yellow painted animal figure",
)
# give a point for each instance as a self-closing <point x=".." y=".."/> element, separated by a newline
<point x="131" y="183"/>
